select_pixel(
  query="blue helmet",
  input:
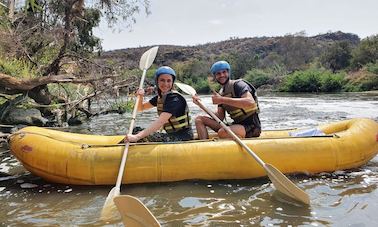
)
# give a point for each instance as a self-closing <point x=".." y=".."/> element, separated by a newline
<point x="165" y="70"/>
<point x="220" y="65"/>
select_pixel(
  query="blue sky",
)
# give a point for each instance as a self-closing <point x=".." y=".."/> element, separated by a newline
<point x="195" y="22"/>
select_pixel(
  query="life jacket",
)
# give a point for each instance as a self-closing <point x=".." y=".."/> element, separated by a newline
<point x="174" y="124"/>
<point x="236" y="113"/>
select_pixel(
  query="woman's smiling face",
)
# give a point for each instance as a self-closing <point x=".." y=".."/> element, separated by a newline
<point x="165" y="82"/>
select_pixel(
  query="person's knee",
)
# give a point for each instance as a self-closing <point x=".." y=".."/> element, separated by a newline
<point x="198" y="120"/>
<point x="222" y="133"/>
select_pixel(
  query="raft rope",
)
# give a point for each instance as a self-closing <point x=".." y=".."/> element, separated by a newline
<point x="85" y="146"/>
<point x="215" y="139"/>
<point x="22" y="134"/>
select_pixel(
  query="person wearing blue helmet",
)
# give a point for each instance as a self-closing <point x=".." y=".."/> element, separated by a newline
<point x="236" y="97"/>
<point x="171" y="106"/>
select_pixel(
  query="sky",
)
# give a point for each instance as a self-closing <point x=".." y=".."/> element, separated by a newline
<point x="193" y="22"/>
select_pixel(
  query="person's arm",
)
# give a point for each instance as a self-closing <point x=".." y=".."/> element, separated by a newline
<point x="145" y="106"/>
<point x="196" y="99"/>
<point x="245" y="101"/>
<point x="156" y="125"/>
<point x="220" y="111"/>
<point x="142" y="105"/>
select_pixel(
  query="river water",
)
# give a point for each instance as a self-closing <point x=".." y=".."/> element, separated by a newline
<point x="342" y="198"/>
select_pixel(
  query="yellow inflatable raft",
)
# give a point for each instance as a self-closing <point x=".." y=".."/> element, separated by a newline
<point x="94" y="160"/>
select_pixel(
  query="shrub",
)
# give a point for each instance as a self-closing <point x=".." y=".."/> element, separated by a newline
<point x="302" y="81"/>
<point x="372" y="67"/>
<point x="337" y="56"/>
<point x="123" y="107"/>
<point x="366" y="52"/>
<point x="332" y="82"/>
<point x="257" y="77"/>
<point x="16" y="68"/>
<point x="313" y="81"/>
<point x="369" y="83"/>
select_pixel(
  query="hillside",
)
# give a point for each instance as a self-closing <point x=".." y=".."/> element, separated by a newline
<point x="300" y="49"/>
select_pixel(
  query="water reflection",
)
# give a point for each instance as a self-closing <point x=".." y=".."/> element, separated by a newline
<point x="341" y="198"/>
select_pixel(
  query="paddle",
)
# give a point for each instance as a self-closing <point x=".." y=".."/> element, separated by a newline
<point x="133" y="212"/>
<point x="280" y="181"/>
<point x="108" y="210"/>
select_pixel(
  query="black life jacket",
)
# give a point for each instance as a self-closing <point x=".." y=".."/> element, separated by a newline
<point x="236" y="113"/>
<point x="174" y="124"/>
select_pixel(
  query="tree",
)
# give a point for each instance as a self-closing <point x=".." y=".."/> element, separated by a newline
<point x="296" y="51"/>
<point x="337" y="56"/>
<point x="366" y="52"/>
<point x="56" y="38"/>
<point x="241" y="63"/>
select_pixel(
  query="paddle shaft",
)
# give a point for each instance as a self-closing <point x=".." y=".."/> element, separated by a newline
<point x="145" y="62"/>
<point x="231" y="133"/>
<point x="131" y="127"/>
<point x="280" y="181"/>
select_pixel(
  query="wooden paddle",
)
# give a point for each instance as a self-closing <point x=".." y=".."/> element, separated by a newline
<point x="109" y="209"/>
<point x="133" y="212"/>
<point x="280" y="181"/>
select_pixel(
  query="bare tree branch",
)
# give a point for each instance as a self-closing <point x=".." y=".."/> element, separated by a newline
<point x="12" y="83"/>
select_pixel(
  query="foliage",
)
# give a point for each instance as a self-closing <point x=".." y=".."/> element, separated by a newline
<point x="258" y="77"/>
<point x="69" y="92"/>
<point x="337" y="56"/>
<point x="87" y="42"/>
<point x="275" y="57"/>
<point x="272" y="59"/>
<point x="241" y="63"/>
<point x="370" y="83"/>
<point x="123" y="107"/>
<point x="372" y="67"/>
<point x="296" y="51"/>
<point x="313" y="81"/>
<point x="56" y="37"/>
<point x="124" y="10"/>
<point x="48" y="33"/>
<point x="194" y="73"/>
<point x="366" y="84"/>
<point x="332" y="82"/>
<point x="17" y="68"/>
<point x="366" y="52"/>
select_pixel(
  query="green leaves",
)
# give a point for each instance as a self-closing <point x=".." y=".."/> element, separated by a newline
<point x="313" y="81"/>
<point x="366" y="52"/>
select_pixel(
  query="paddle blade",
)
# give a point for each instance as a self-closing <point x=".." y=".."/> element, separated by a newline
<point x="109" y="210"/>
<point x="133" y="212"/>
<point x="186" y="88"/>
<point x="148" y="58"/>
<point x="285" y="186"/>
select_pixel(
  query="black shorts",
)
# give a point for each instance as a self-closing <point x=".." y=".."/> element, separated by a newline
<point x="252" y="126"/>
<point x="182" y="135"/>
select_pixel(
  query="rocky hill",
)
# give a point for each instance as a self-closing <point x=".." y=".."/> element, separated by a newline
<point x="296" y="49"/>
